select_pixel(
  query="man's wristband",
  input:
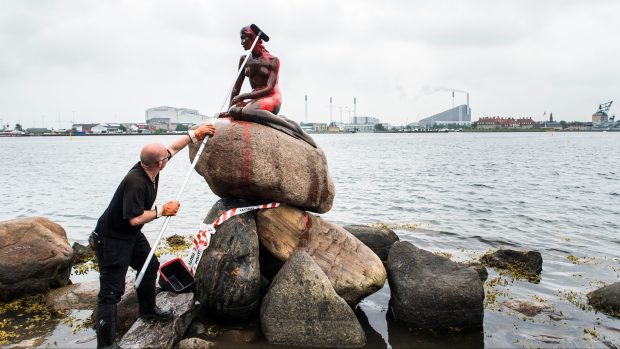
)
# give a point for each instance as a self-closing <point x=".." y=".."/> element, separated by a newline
<point x="159" y="211"/>
<point x="192" y="136"/>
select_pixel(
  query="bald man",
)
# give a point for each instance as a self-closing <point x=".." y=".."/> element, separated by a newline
<point x="119" y="242"/>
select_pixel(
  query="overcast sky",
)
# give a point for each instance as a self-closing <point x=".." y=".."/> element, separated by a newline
<point x="108" y="61"/>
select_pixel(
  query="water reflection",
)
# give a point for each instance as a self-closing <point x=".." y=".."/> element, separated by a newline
<point x="373" y="338"/>
<point x="400" y="336"/>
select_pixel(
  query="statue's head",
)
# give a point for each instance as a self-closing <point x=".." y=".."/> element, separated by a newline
<point x="247" y="37"/>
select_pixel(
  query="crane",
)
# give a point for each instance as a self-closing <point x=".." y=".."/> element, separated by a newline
<point x="604" y="108"/>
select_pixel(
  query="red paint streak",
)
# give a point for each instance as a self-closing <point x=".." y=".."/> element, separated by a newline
<point x="305" y="233"/>
<point x="246" y="166"/>
<point x="271" y="102"/>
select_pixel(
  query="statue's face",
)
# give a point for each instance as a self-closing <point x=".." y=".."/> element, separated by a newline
<point x="247" y="37"/>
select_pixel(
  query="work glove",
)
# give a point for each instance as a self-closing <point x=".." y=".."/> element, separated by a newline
<point x="201" y="132"/>
<point x="170" y="208"/>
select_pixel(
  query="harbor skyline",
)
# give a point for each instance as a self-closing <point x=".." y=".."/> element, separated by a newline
<point x="107" y="62"/>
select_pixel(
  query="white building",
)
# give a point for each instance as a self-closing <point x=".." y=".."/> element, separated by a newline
<point x="106" y="128"/>
<point x="363" y="127"/>
<point x="176" y="115"/>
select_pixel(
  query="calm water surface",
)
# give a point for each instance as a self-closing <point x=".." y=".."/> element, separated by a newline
<point x="459" y="194"/>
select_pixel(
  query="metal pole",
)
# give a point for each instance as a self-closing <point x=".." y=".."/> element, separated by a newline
<point x="202" y="146"/>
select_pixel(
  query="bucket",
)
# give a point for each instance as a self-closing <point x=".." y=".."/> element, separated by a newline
<point x="176" y="277"/>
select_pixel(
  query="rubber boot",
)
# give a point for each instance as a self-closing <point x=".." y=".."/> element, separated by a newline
<point x="147" y="308"/>
<point x="106" y="326"/>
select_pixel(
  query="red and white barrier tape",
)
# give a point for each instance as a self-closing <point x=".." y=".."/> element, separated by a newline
<point x="203" y="238"/>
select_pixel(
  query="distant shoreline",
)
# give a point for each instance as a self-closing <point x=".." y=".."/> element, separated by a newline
<point x="328" y="133"/>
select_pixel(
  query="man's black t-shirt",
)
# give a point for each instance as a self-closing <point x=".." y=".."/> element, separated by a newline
<point x="134" y="195"/>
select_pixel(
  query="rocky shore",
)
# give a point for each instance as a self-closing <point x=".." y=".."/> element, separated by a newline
<point x="281" y="276"/>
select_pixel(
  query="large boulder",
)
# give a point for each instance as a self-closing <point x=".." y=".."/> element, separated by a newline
<point x="353" y="269"/>
<point x="228" y="274"/>
<point x="430" y="291"/>
<point x="606" y="299"/>
<point x="378" y="239"/>
<point x="256" y="162"/>
<point x="155" y="334"/>
<point x="34" y="256"/>
<point x="302" y="309"/>
<point x="526" y="263"/>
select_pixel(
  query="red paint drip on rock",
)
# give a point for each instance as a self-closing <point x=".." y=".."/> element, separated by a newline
<point x="246" y="166"/>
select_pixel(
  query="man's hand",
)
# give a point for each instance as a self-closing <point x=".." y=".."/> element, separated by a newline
<point x="203" y="131"/>
<point x="171" y="208"/>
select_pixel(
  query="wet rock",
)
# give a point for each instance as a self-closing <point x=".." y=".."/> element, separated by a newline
<point x="228" y="274"/>
<point x="194" y="343"/>
<point x="82" y="253"/>
<point x="430" y="291"/>
<point x="255" y="162"/>
<point x="82" y="296"/>
<point x="527" y="307"/>
<point x="240" y="335"/>
<point x="478" y="268"/>
<point x="35" y="256"/>
<point x="379" y="240"/>
<point x="606" y="299"/>
<point x="197" y="328"/>
<point x="155" y="334"/>
<point x="353" y="269"/>
<point x="521" y="262"/>
<point x="559" y="316"/>
<point x="302" y="309"/>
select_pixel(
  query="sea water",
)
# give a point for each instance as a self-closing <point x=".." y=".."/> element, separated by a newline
<point x="455" y="194"/>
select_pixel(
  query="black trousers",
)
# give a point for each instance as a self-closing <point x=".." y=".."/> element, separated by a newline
<point x="115" y="256"/>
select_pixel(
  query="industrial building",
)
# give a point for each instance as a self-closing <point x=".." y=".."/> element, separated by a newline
<point x="168" y="117"/>
<point x="460" y="115"/>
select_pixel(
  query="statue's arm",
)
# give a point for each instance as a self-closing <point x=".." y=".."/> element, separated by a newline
<point x="238" y="83"/>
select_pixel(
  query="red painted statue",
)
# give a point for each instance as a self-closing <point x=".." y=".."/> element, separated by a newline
<point x="262" y="104"/>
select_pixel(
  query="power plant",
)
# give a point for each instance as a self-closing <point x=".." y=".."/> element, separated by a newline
<point x="459" y="115"/>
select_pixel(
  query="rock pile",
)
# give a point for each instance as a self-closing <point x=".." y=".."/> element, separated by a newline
<point x="310" y="260"/>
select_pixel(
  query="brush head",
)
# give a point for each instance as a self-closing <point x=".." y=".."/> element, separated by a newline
<point x="257" y="30"/>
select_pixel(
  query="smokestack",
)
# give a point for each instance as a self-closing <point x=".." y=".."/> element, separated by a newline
<point x="306" y="98"/>
<point x="330" y="110"/>
<point x="354" y="107"/>
<point x="468" y="111"/>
